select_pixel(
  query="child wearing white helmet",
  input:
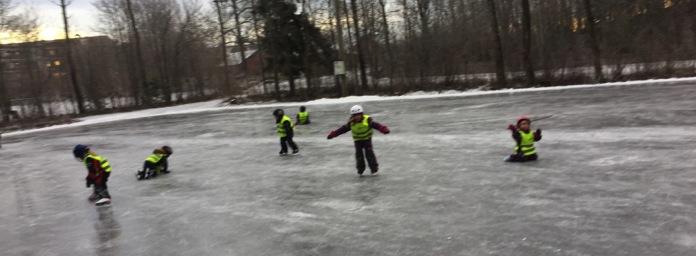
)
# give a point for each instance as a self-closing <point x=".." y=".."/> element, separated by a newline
<point x="361" y="126"/>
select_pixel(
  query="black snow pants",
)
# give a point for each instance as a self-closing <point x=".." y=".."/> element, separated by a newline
<point x="100" y="188"/>
<point x="284" y="142"/>
<point x="363" y="149"/>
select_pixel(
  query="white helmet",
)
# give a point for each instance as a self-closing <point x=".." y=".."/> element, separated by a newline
<point x="357" y="109"/>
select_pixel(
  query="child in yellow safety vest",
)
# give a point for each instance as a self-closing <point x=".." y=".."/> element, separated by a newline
<point x="524" y="139"/>
<point x="286" y="131"/>
<point x="303" y="116"/>
<point x="156" y="163"/>
<point x="98" y="172"/>
<point x="361" y="126"/>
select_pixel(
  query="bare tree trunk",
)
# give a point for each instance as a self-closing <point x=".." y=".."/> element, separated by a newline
<point x="408" y="36"/>
<point x="423" y="7"/>
<point x="258" y="35"/>
<point x="140" y="90"/>
<point x="501" y="80"/>
<point x="71" y="63"/>
<point x="223" y="47"/>
<point x="527" y="42"/>
<point x="5" y="99"/>
<point x="354" y="86"/>
<point x="240" y="38"/>
<point x="387" y="44"/>
<point x="594" y="42"/>
<point x="361" y="54"/>
<point x="340" y="79"/>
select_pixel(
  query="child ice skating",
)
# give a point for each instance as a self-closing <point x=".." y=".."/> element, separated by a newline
<point x="361" y="126"/>
<point x="303" y="116"/>
<point x="156" y="163"/>
<point x="98" y="171"/>
<point x="524" y="138"/>
<point x="285" y="129"/>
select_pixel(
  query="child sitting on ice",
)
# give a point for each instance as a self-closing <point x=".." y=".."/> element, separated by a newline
<point x="524" y="138"/>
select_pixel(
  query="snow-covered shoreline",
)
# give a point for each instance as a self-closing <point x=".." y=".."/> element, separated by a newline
<point x="216" y="105"/>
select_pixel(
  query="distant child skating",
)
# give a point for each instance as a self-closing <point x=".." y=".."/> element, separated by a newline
<point x="285" y="129"/>
<point x="156" y="163"/>
<point x="361" y="126"/>
<point x="524" y="139"/>
<point x="98" y="171"/>
<point x="303" y="116"/>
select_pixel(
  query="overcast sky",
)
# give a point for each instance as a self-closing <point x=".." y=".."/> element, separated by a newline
<point x="82" y="14"/>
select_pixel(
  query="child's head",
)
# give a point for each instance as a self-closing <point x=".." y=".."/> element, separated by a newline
<point x="167" y="150"/>
<point x="356" y="113"/>
<point x="158" y="151"/>
<point x="80" y="151"/>
<point x="303" y="109"/>
<point x="524" y="123"/>
<point x="278" y="112"/>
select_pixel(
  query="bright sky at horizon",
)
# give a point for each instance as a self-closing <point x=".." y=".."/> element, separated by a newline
<point x="82" y="17"/>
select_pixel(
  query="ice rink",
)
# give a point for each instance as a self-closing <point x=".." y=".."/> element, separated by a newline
<point x="616" y="176"/>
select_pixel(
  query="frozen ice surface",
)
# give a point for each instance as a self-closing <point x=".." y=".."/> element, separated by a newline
<point x="616" y="177"/>
<point x="217" y="105"/>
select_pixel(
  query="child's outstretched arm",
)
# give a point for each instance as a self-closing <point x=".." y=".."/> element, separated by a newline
<point x="380" y="127"/>
<point x="537" y="135"/>
<point x="339" y="131"/>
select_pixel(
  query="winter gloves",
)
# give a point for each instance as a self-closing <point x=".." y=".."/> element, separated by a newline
<point x="332" y="135"/>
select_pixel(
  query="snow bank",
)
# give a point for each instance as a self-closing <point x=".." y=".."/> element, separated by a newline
<point x="216" y="105"/>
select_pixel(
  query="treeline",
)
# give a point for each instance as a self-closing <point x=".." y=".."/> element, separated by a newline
<point x="163" y="52"/>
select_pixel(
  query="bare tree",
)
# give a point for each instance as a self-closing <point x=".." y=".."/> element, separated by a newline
<point x="223" y="45"/>
<point x="387" y="43"/>
<point x="594" y="41"/>
<point x="501" y="79"/>
<point x="527" y="42"/>
<point x="341" y="81"/>
<point x="71" y="62"/>
<point x="6" y="21"/>
<point x="359" y="44"/>
<point x="140" y="90"/>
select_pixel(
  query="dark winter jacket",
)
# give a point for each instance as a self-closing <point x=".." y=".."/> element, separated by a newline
<point x="346" y="128"/>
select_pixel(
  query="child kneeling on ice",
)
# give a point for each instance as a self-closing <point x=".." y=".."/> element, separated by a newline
<point x="361" y="126"/>
<point x="524" y="138"/>
<point x="156" y="163"/>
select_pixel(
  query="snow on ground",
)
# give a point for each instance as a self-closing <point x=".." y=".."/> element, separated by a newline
<point x="216" y="105"/>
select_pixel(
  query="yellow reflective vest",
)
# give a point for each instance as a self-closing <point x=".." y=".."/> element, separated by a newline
<point x="280" y="127"/>
<point x="103" y="163"/>
<point x="526" y="143"/>
<point x="303" y="117"/>
<point x="361" y="130"/>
